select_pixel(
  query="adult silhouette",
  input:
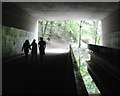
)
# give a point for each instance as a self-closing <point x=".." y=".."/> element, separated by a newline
<point x="42" y="46"/>
<point x="34" y="51"/>
<point x="26" y="47"/>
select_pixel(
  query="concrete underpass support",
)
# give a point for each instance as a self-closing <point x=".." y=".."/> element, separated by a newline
<point x="111" y="30"/>
<point x="17" y="26"/>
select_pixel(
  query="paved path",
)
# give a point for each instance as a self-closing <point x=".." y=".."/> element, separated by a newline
<point x="53" y="76"/>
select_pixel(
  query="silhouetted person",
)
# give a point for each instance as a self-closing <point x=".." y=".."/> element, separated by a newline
<point x="26" y="47"/>
<point x="42" y="46"/>
<point x="34" y="50"/>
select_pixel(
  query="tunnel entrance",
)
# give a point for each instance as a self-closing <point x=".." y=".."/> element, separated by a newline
<point x="59" y="33"/>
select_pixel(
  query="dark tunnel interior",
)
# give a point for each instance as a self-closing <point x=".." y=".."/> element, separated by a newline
<point x="55" y="73"/>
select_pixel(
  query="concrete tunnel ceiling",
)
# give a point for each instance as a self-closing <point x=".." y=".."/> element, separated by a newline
<point x="68" y="10"/>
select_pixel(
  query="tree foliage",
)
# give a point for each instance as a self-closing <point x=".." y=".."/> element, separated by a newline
<point x="83" y="31"/>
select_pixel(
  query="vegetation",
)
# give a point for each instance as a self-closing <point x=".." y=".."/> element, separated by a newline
<point x="71" y="31"/>
<point x="79" y="34"/>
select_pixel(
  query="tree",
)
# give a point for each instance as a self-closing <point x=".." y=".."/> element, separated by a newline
<point x="80" y="33"/>
<point x="70" y="30"/>
<point x="46" y="24"/>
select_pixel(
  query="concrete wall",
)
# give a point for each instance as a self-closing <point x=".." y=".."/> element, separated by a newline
<point x="111" y="30"/>
<point x="16" y="27"/>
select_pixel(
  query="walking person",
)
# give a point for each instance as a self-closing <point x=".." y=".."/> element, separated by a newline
<point x="34" y="51"/>
<point x="42" y="46"/>
<point x="26" y="47"/>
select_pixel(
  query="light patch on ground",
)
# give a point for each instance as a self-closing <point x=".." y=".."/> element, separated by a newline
<point x="57" y="46"/>
<point x="56" y="50"/>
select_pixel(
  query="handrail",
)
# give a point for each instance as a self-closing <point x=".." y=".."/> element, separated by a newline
<point x="109" y="54"/>
<point x="81" y="89"/>
<point x="105" y="60"/>
<point x="73" y="59"/>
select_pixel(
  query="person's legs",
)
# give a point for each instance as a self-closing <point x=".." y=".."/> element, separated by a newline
<point x="35" y="58"/>
<point x="26" y="57"/>
<point x="44" y="51"/>
<point x="41" y="58"/>
<point x="32" y="55"/>
<point x="41" y="50"/>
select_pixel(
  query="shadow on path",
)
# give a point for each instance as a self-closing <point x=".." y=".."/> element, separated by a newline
<point x="49" y="77"/>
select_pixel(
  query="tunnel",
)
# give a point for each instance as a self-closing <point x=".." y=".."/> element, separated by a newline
<point x="56" y="74"/>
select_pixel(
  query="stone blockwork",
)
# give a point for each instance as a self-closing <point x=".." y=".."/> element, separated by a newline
<point x="13" y="39"/>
